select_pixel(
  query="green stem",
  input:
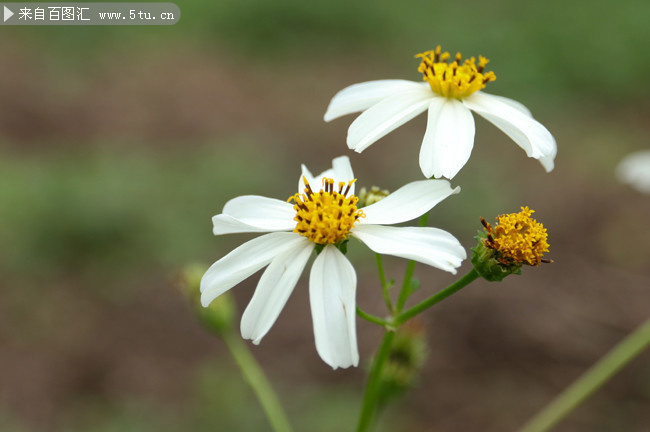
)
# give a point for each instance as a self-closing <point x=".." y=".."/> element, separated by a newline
<point x="471" y="276"/>
<point x="257" y="380"/>
<point x="405" y="292"/>
<point x="591" y="380"/>
<point x="372" y="318"/>
<point x="373" y="386"/>
<point x="384" y="286"/>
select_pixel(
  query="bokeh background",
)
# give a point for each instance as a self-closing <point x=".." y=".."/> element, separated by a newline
<point x="117" y="145"/>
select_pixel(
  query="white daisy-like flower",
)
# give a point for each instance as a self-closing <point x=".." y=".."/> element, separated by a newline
<point x="634" y="170"/>
<point x="323" y="220"/>
<point x="450" y="93"/>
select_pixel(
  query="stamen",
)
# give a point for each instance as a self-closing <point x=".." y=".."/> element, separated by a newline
<point x="517" y="238"/>
<point x="307" y="187"/>
<point x="454" y="80"/>
<point x="347" y="189"/>
<point x="326" y="217"/>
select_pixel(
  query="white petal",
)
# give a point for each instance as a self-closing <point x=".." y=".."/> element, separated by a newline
<point x="332" y="287"/>
<point x="431" y="246"/>
<point x="273" y="290"/>
<point x="261" y="212"/>
<point x="448" y="140"/>
<point x="634" y="170"/>
<point x="387" y="116"/>
<point x="548" y="162"/>
<point x="306" y="174"/>
<point x="243" y="262"/>
<point x="408" y="202"/>
<point x="515" y="104"/>
<point x="341" y="171"/>
<point x="527" y="132"/>
<point x="224" y="224"/>
<point x="359" y="97"/>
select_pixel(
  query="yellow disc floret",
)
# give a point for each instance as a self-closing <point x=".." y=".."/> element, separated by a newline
<point x="517" y="238"/>
<point x="453" y="80"/>
<point x="326" y="217"/>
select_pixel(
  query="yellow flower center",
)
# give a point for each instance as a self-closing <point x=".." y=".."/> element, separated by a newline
<point x="453" y="80"/>
<point x="518" y="238"/>
<point x="326" y="217"/>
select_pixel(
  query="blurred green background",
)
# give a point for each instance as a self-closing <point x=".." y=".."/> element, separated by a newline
<point x="117" y="145"/>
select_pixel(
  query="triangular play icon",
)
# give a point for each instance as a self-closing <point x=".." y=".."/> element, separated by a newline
<point x="8" y="13"/>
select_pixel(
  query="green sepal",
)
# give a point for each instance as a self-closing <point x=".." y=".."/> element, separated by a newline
<point x="486" y="264"/>
<point x="343" y="246"/>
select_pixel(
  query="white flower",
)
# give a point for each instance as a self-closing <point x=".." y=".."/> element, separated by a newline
<point x="634" y="170"/>
<point x="323" y="219"/>
<point x="450" y="93"/>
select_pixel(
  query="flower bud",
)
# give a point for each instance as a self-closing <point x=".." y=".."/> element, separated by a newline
<point x="515" y="240"/>
<point x="370" y="197"/>
<point x="406" y="358"/>
<point x="220" y="315"/>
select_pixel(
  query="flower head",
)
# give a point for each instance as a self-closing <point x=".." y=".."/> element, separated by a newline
<point x="456" y="79"/>
<point x="515" y="240"/>
<point x="326" y="217"/>
<point x="451" y="91"/>
<point x="323" y="221"/>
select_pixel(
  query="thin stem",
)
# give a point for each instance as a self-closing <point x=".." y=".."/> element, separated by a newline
<point x="405" y="292"/>
<point x="255" y="377"/>
<point x="591" y="380"/>
<point x="373" y="385"/>
<point x="372" y="318"/>
<point x="471" y="276"/>
<point x="384" y="286"/>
